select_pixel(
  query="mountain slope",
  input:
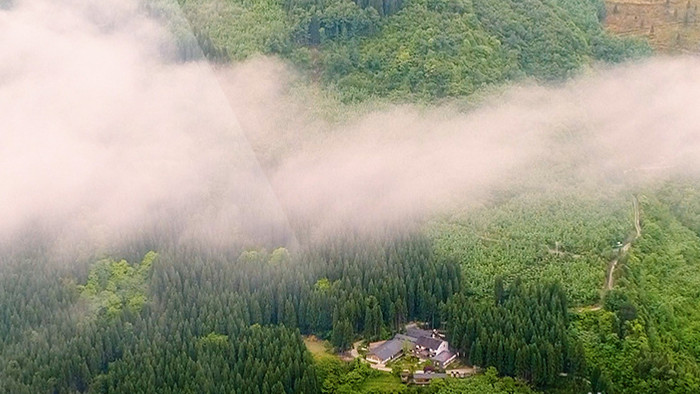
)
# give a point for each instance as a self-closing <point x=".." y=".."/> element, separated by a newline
<point x="407" y="50"/>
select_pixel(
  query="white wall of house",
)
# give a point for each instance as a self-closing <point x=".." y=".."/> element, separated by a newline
<point x="442" y="348"/>
<point x="373" y="359"/>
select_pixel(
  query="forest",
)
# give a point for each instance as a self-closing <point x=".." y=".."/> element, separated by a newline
<point x="187" y="320"/>
<point x="404" y="50"/>
<point x="542" y="285"/>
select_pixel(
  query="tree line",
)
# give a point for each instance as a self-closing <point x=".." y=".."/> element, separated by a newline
<point x="523" y="332"/>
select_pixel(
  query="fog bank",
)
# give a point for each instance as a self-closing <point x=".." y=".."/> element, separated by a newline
<point x="104" y="135"/>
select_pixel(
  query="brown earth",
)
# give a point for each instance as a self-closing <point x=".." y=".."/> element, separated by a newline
<point x="670" y="26"/>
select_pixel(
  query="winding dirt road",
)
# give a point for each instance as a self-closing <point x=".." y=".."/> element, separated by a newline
<point x="610" y="278"/>
<point x="610" y="282"/>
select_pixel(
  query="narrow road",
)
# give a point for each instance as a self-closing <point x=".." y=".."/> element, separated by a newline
<point x="610" y="282"/>
<point x="610" y="278"/>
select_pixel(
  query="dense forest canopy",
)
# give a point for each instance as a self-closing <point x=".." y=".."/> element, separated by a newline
<point x="406" y="50"/>
<point x="575" y="274"/>
<point x="185" y="319"/>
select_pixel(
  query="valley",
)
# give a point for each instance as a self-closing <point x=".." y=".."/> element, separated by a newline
<point x="349" y="196"/>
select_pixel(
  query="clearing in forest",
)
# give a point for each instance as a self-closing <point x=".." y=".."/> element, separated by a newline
<point x="670" y="26"/>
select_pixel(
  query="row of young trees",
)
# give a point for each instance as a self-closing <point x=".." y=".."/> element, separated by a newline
<point x="524" y="333"/>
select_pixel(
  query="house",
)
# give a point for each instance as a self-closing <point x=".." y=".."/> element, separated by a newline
<point x="426" y="345"/>
<point x="443" y="359"/>
<point x="406" y="338"/>
<point x="414" y="332"/>
<point x="389" y="350"/>
<point x="425" y="377"/>
<point x="434" y="348"/>
<point x="431" y="346"/>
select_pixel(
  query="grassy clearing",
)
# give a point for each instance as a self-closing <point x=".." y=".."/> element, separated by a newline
<point x="318" y="347"/>
<point x="383" y="383"/>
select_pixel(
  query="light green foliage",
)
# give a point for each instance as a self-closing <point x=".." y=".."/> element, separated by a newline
<point x="647" y="338"/>
<point x="383" y="384"/>
<point x="355" y="377"/>
<point x="279" y="256"/>
<point x="539" y="33"/>
<point x="214" y="339"/>
<point x="113" y="286"/>
<point x="254" y="256"/>
<point x="430" y="48"/>
<point x="683" y="200"/>
<point x="412" y="50"/>
<point x="235" y="30"/>
<point x="322" y="285"/>
<point x="531" y="236"/>
<point x="488" y="382"/>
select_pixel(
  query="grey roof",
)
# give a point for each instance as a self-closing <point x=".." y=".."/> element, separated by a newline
<point x="443" y="356"/>
<point x="388" y="349"/>
<point x="429" y="375"/>
<point x="416" y="332"/>
<point x="430" y="343"/>
<point x="405" y="338"/>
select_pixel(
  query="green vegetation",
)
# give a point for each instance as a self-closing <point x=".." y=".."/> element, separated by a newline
<point x="404" y="50"/>
<point x="193" y="319"/>
<point x="646" y="339"/>
<point x="113" y="286"/>
<point x="563" y="237"/>
<point x="522" y="332"/>
<point x="503" y="279"/>
<point x="318" y="348"/>
<point x="407" y="362"/>
<point x="356" y="377"/>
<point x="489" y="382"/>
<point x="383" y="383"/>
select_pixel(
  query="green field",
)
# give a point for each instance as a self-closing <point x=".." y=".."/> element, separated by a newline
<point x="384" y="383"/>
<point x="319" y="348"/>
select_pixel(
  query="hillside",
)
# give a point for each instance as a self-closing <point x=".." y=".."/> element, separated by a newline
<point x="247" y="196"/>
<point x="670" y="26"/>
<point x="406" y="50"/>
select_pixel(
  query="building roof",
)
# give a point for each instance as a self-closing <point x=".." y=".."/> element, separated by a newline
<point x="415" y="332"/>
<point x="388" y="349"/>
<point x="429" y="375"/>
<point x="429" y="343"/>
<point x="405" y="338"/>
<point x="443" y="356"/>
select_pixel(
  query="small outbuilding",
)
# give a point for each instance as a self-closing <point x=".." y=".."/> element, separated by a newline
<point x="422" y="378"/>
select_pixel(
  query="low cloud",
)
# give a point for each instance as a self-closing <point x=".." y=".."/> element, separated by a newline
<point x="104" y="136"/>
